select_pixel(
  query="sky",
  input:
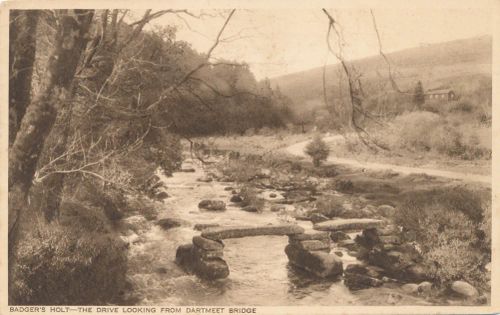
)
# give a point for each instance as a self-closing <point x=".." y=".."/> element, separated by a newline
<point x="280" y="41"/>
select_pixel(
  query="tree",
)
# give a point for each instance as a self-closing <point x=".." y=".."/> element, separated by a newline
<point x="419" y="97"/>
<point x="71" y="37"/>
<point x="22" y="48"/>
<point x="317" y="150"/>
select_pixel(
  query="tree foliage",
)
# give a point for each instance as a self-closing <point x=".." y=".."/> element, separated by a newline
<point x="419" y="96"/>
<point x="318" y="150"/>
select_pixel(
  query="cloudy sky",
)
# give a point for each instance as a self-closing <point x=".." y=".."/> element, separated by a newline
<point x="280" y="41"/>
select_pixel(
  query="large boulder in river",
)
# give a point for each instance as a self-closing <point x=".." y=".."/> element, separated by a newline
<point x="207" y="244"/>
<point x="236" y="198"/>
<point x="212" y="205"/>
<point x="348" y="224"/>
<point x="464" y="289"/>
<point x="338" y="236"/>
<point x="357" y="277"/>
<point x="320" y="263"/>
<point x="220" y="233"/>
<point x="207" y="268"/>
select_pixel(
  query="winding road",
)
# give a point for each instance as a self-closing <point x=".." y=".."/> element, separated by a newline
<point x="298" y="150"/>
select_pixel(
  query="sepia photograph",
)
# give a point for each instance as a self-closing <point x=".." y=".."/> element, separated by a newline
<point x="205" y="156"/>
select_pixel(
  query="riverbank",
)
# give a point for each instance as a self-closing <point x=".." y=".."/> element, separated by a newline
<point x="343" y="152"/>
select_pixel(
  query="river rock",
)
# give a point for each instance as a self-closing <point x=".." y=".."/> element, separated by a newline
<point x="464" y="289"/>
<point x="205" y="179"/>
<point x="410" y="288"/>
<point x="236" y="198"/>
<point x="160" y="196"/>
<point x="202" y="226"/>
<point x="322" y="264"/>
<point x="356" y="278"/>
<point x="394" y="262"/>
<point x="338" y="236"/>
<point x="207" y="244"/>
<point x="212" y="205"/>
<point x="318" y="217"/>
<point x="272" y="195"/>
<point x="188" y="170"/>
<point x="416" y="272"/>
<point x="220" y="233"/>
<point x="207" y="254"/>
<point x="228" y="188"/>
<point x="425" y="287"/>
<point x="214" y="268"/>
<point x="348" y="224"/>
<point x="168" y="223"/>
<point x="312" y="244"/>
<point x="309" y="236"/>
<point x="250" y="208"/>
<point x="368" y="238"/>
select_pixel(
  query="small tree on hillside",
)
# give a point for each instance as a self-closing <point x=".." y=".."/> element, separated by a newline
<point x="317" y="150"/>
<point x="419" y="97"/>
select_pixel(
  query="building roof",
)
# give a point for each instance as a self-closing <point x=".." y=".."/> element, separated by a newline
<point x="440" y="91"/>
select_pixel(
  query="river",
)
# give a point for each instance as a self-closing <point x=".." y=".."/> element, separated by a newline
<point x="259" y="269"/>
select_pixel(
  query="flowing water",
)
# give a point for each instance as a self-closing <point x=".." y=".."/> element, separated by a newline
<point x="259" y="269"/>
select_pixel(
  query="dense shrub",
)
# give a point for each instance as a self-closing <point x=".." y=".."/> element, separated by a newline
<point x="446" y="224"/>
<point x="62" y="265"/>
<point x="425" y="131"/>
<point x="84" y="218"/>
<point x="110" y="199"/>
<point x="464" y="105"/>
<point x="318" y="150"/>
<point x="330" y="206"/>
<point x="240" y="170"/>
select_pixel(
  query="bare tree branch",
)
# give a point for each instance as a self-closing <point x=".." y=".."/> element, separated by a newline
<point x="391" y="78"/>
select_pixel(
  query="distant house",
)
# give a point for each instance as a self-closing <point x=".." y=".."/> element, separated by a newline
<point x="441" y="94"/>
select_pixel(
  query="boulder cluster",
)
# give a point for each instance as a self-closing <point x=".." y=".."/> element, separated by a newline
<point x="204" y="258"/>
<point x="311" y="252"/>
<point x="383" y="247"/>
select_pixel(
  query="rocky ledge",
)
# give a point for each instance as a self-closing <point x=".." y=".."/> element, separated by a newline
<point x="348" y="224"/>
<point x="220" y="233"/>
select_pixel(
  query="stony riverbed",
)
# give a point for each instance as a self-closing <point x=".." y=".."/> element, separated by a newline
<point x="260" y="273"/>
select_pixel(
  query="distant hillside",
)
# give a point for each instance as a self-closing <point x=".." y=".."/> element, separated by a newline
<point x="456" y="64"/>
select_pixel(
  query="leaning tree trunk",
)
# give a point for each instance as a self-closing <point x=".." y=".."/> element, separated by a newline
<point x="22" y="48"/>
<point x="70" y="39"/>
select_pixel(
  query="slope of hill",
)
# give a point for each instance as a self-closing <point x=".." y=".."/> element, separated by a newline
<point x="456" y="64"/>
